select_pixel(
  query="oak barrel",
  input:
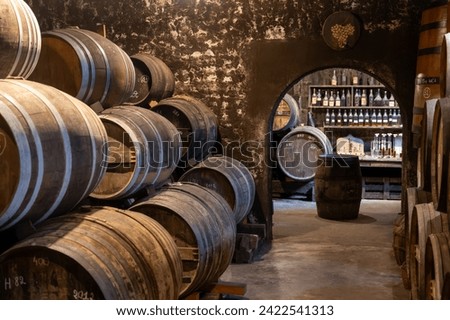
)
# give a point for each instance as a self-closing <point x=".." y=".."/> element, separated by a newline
<point x="425" y="220"/>
<point x="20" y="39"/>
<point x="228" y="177"/>
<point x="197" y="125"/>
<point x="203" y="226"/>
<point x="338" y="187"/>
<point x="433" y="27"/>
<point x="85" y="65"/>
<point x="440" y="155"/>
<point x="287" y="114"/>
<point x="299" y="150"/>
<point x="43" y="132"/>
<point x="414" y="196"/>
<point x="424" y="152"/>
<point x="93" y="253"/>
<point x="437" y="264"/>
<point x="154" y="80"/>
<point x="144" y="150"/>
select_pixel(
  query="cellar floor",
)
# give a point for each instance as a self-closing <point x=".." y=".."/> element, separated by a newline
<point x="317" y="259"/>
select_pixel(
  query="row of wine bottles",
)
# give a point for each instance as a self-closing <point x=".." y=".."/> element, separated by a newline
<point x="343" y="98"/>
<point x="351" y="77"/>
<point x="363" y="117"/>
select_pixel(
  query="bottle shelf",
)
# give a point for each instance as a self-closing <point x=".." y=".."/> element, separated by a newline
<point x="353" y="107"/>
<point x="363" y="127"/>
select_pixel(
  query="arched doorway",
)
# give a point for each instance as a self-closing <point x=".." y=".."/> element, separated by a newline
<point x="358" y="114"/>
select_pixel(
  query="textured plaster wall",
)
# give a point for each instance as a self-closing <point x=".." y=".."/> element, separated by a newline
<point x="240" y="56"/>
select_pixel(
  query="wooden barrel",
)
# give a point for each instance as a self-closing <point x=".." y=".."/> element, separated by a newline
<point x="144" y="150"/>
<point x="414" y="196"/>
<point x="338" y="187"/>
<point x="399" y="239"/>
<point x="424" y="154"/>
<point x="85" y="65"/>
<point x="154" y="80"/>
<point x="440" y="156"/>
<point x="197" y="125"/>
<point x="287" y="114"/>
<point x="424" y="221"/>
<point x="203" y="226"/>
<point x="228" y="177"/>
<point x="437" y="264"/>
<point x="44" y="133"/>
<point x="299" y="150"/>
<point x="428" y="67"/>
<point x="20" y="39"/>
<point x="91" y="254"/>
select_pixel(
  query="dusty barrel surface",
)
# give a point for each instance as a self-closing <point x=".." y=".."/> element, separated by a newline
<point x="437" y="265"/>
<point x="433" y="27"/>
<point x="43" y="132"/>
<point x="154" y="80"/>
<point x="91" y="254"/>
<point x="144" y="150"/>
<point x="85" y="65"/>
<point x="425" y="150"/>
<point x="203" y="226"/>
<point x="440" y="156"/>
<point x="229" y="178"/>
<point x="287" y="114"/>
<point x="197" y="125"/>
<point x="20" y="39"/>
<point x="299" y="151"/>
<point x="338" y="187"/>
<point x="425" y="220"/>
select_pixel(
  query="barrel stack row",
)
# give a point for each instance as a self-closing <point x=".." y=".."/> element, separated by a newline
<point x="421" y="236"/>
<point x="88" y="137"/>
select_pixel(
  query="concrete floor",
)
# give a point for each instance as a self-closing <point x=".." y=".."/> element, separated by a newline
<point x="314" y="258"/>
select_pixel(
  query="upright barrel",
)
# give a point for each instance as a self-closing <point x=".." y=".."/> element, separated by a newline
<point x="203" y="226"/>
<point x="93" y="253"/>
<point x="433" y="27"/>
<point x="228" y="177"/>
<point x="154" y="80"/>
<point x="20" y="39"/>
<point x="54" y="150"/>
<point x="144" y="150"/>
<point x="85" y="65"/>
<point x="338" y="187"/>
<point x="197" y="125"/>
<point x="299" y="151"/>
<point x="287" y="114"/>
<point x="440" y="156"/>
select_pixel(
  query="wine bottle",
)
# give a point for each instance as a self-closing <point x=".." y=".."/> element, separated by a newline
<point x="319" y="98"/>
<point x="348" y="99"/>
<point x="314" y="98"/>
<point x="331" y="99"/>
<point x="333" y="118"/>
<point x="373" y="118"/>
<point x="325" y="99"/>
<point x="364" y="98"/>
<point x="357" y="98"/>
<point x="350" y="117"/>
<point x="337" y="101"/>
<point x="385" y="99"/>
<point x="355" y="80"/>
<point x="378" y="101"/>
<point x="327" y="118"/>
<point x="343" y="77"/>
<point x="361" y="117"/>
<point x="391" y="101"/>
<point x="379" y="118"/>
<point x="334" y="79"/>
<point x="339" y="118"/>
<point x="343" y="99"/>
<point x="345" y="118"/>
<point x="370" y="102"/>
<point x="385" y="118"/>
<point x="367" y="118"/>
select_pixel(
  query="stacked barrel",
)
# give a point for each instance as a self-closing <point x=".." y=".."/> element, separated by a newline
<point x="422" y="247"/>
<point x="89" y="146"/>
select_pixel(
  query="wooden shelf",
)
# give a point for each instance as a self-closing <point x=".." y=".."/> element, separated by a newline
<point x="364" y="127"/>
